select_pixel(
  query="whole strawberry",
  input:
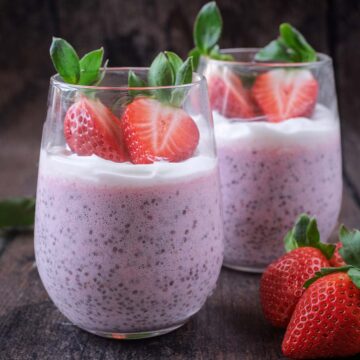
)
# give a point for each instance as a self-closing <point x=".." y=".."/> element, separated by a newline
<point x="281" y="285"/>
<point x="326" y="320"/>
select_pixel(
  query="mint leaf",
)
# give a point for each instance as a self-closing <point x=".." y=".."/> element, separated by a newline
<point x="305" y="233"/>
<point x="325" y="271"/>
<point x="65" y="60"/>
<point x="350" y="250"/>
<point x="295" y="41"/>
<point x="274" y="51"/>
<point x="184" y="73"/>
<point x="354" y="275"/>
<point x="290" y="46"/>
<point x="208" y="27"/>
<point x="195" y="54"/>
<point x="135" y="81"/>
<point x="183" y="76"/>
<point x="217" y="55"/>
<point x="17" y="212"/>
<point x="90" y="67"/>
<point x="175" y="60"/>
<point x="161" y="74"/>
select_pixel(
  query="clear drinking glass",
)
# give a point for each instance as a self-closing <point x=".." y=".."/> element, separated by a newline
<point x="127" y="250"/>
<point x="272" y="170"/>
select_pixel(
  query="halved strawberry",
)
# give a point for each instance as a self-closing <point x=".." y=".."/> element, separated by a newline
<point x="154" y="131"/>
<point x="229" y="97"/>
<point x="91" y="128"/>
<point x="284" y="94"/>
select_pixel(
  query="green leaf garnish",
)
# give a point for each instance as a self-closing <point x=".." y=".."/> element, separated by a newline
<point x="17" y="213"/>
<point x="73" y="70"/>
<point x="208" y="27"/>
<point x="207" y="31"/>
<point x="90" y="66"/>
<point x="290" y="46"/>
<point x="183" y="76"/>
<point x="167" y="69"/>
<point x="175" y="60"/>
<point x="135" y="81"/>
<point x="305" y="233"/>
<point x="65" y="60"/>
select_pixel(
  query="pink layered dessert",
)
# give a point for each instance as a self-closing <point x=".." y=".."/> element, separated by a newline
<point x="128" y="247"/>
<point x="272" y="172"/>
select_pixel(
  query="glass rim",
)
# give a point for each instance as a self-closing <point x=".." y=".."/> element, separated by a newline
<point x="56" y="80"/>
<point x="321" y="60"/>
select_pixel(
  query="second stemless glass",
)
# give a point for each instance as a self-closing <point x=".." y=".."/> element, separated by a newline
<point x="127" y="250"/>
<point x="272" y="170"/>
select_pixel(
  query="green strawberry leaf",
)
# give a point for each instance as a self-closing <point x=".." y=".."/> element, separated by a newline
<point x="17" y="213"/>
<point x="183" y="76"/>
<point x="90" y="67"/>
<point x="326" y="271"/>
<point x="207" y="27"/>
<point x="136" y="82"/>
<point x="65" y="60"/>
<point x="305" y="233"/>
<point x="175" y="60"/>
<point x="350" y="250"/>
<point x="290" y="46"/>
<point x="354" y="274"/>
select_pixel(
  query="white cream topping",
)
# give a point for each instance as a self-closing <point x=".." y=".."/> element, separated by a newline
<point x="303" y="130"/>
<point x="62" y="163"/>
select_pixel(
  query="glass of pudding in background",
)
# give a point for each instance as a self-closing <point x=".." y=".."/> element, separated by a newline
<point x="278" y="140"/>
<point x="128" y="248"/>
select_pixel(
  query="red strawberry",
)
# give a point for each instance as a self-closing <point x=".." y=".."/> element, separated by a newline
<point x="326" y="320"/>
<point x="154" y="131"/>
<point x="284" y="94"/>
<point x="91" y="128"/>
<point x="337" y="260"/>
<point x="281" y="285"/>
<point x="228" y="96"/>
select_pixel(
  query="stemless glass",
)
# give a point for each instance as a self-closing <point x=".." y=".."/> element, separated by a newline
<point x="272" y="170"/>
<point x="124" y="250"/>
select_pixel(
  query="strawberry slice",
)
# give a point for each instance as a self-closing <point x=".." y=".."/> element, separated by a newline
<point x="229" y="97"/>
<point x="91" y="128"/>
<point x="285" y="94"/>
<point x="154" y="131"/>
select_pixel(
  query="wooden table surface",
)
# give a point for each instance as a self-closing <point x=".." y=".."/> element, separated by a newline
<point x="230" y="325"/>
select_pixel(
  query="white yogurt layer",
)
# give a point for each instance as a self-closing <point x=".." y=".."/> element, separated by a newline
<point x="306" y="131"/>
<point x="60" y="163"/>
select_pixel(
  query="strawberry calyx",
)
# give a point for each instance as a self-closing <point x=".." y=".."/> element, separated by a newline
<point x="350" y="252"/>
<point x="167" y="69"/>
<point x="305" y="233"/>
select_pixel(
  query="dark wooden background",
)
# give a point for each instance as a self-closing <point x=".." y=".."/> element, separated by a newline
<point x="133" y="31"/>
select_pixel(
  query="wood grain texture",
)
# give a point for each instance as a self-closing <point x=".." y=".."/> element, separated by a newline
<point x="230" y="326"/>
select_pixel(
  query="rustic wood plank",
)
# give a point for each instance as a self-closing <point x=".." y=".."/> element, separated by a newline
<point x="230" y="326"/>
